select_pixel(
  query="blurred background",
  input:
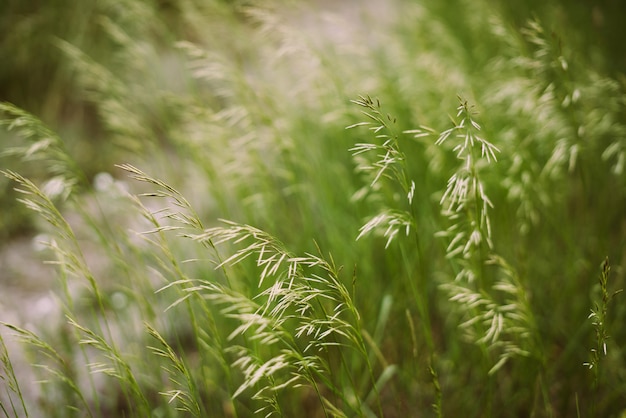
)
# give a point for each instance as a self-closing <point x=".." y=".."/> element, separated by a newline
<point x="50" y="46"/>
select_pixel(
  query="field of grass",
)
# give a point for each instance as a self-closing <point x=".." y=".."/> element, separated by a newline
<point x="315" y="209"/>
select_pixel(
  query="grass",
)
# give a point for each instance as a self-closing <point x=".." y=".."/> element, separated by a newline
<point x="309" y="216"/>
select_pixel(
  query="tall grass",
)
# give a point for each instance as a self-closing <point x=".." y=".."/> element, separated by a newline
<point x="312" y="216"/>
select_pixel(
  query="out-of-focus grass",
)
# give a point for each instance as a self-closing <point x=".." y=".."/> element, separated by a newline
<point x="481" y="222"/>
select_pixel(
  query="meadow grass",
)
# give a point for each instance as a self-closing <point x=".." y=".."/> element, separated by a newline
<point x="311" y="216"/>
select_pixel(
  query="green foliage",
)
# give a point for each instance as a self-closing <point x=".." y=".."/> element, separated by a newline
<point x="323" y="232"/>
<point x="11" y="385"/>
<point x="598" y="318"/>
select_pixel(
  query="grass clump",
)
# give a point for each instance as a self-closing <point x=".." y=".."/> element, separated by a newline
<point x="424" y="261"/>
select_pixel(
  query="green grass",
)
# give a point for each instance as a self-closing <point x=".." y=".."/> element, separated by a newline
<point x="291" y="214"/>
